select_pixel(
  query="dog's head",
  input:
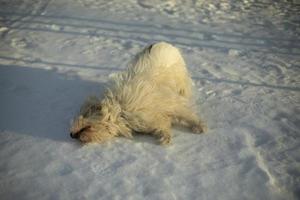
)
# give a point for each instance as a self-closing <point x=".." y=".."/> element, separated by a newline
<point x="95" y="122"/>
<point x="91" y="130"/>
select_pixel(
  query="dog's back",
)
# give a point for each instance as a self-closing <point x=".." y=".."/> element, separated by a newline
<point x="164" y="65"/>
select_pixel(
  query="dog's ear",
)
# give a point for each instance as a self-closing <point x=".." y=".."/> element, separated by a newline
<point x="96" y="107"/>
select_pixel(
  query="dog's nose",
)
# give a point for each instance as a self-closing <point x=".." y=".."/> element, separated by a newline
<point x="73" y="135"/>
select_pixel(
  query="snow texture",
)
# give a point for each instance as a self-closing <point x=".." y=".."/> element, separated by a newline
<point x="244" y="57"/>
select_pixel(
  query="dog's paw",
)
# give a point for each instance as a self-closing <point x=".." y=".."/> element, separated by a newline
<point x="199" y="128"/>
<point x="165" y="140"/>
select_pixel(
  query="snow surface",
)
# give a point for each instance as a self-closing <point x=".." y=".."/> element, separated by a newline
<point x="244" y="57"/>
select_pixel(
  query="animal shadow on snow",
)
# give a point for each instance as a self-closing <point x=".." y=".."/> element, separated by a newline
<point x="41" y="103"/>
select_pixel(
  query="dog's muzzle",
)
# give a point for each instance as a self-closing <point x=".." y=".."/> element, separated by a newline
<point x="77" y="134"/>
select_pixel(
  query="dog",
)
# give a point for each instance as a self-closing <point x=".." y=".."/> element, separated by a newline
<point x="150" y="96"/>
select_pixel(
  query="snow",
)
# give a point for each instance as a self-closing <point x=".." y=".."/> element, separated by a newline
<point x="244" y="60"/>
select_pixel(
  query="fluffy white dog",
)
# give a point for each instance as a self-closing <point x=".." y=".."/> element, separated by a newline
<point x="151" y="95"/>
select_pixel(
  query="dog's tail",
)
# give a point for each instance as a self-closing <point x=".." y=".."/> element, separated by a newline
<point x="172" y="65"/>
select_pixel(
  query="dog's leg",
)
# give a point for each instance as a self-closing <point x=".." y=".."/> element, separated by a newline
<point x="162" y="130"/>
<point x="159" y="125"/>
<point x="190" y="119"/>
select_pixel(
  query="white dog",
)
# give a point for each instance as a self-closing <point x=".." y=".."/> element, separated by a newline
<point x="151" y="95"/>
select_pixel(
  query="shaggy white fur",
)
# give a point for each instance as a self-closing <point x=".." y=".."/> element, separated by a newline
<point x="151" y="95"/>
